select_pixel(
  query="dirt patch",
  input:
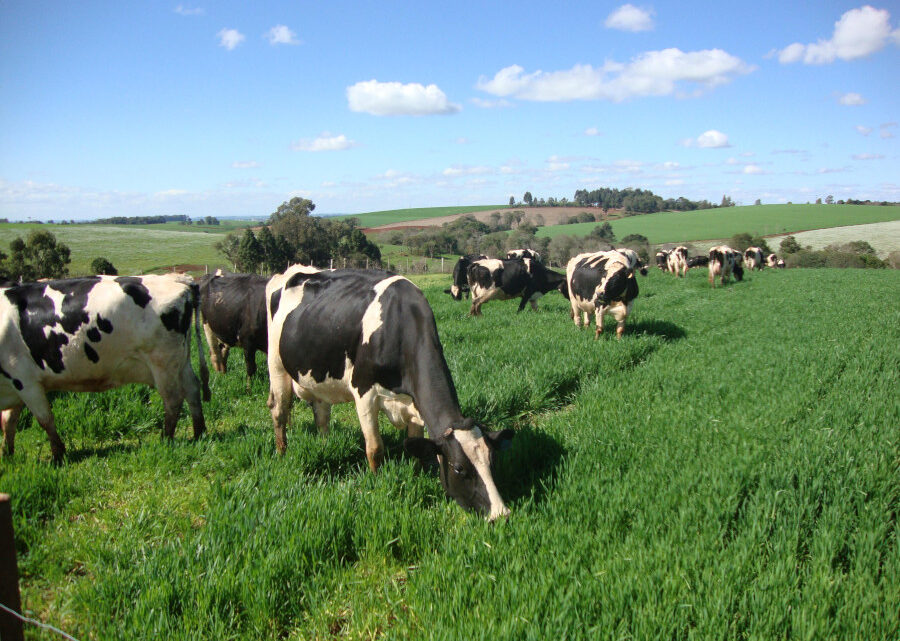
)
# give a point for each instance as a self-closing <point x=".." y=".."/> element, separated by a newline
<point x="550" y="215"/>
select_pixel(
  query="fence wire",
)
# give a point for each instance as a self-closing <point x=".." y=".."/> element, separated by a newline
<point x="40" y="624"/>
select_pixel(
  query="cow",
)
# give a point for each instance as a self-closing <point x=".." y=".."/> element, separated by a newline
<point x="780" y="263"/>
<point x="753" y="257"/>
<point x="601" y="282"/>
<point x="370" y="337"/>
<point x="678" y="261"/>
<point x="662" y="259"/>
<point x="234" y="314"/>
<point x="723" y="262"/>
<point x="634" y="260"/>
<point x="523" y="253"/>
<point x="496" y="279"/>
<point x="460" y="286"/>
<point x="698" y="261"/>
<point x="771" y="260"/>
<point x="95" y="333"/>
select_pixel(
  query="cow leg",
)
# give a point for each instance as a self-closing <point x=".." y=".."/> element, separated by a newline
<point x="9" y="419"/>
<point x="250" y="363"/>
<point x="40" y="407"/>
<point x="281" y="397"/>
<point x="216" y="349"/>
<point x="598" y="314"/>
<point x="322" y="414"/>
<point x="367" y="411"/>
<point x="191" y="388"/>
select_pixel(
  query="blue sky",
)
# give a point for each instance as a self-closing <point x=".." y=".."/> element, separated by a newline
<point x="230" y="108"/>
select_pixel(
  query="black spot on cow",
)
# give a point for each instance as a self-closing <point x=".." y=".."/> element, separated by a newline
<point x="37" y="312"/>
<point x="15" y="381"/>
<point x="177" y="319"/>
<point x="136" y="289"/>
<point x="74" y="304"/>
<point x="91" y="353"/>
<point x="104" y="325"/>
<point x="93" y="335"/>
<point x="274" y="301"/>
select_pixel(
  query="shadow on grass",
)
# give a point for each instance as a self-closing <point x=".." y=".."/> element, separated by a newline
<point x="528" y="468"/>
<point x="666" y="330"/>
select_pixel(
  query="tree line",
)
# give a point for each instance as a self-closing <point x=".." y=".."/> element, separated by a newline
<point x="154" y="220"/>
<point x="633" y="201"/>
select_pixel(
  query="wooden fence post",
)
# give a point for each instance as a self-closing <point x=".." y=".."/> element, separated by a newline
<point x="10" y="626"/>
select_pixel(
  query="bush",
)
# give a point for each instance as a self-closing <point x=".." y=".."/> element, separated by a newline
<point x="790" y="245"/>
<point x="102" y="266"/>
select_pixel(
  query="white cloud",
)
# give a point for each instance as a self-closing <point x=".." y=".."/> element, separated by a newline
<point x="230" y="38"/>
<point x="654" y="73"/>
<point x="464" y="170"/>
<point x="245" y="164"/>
<point x="189" y="11"/>
<point x="851" y="99"/>
<point x="711" y="139"/>
<point x="396" y="99"/>
<point x="753" y="169"/>
<point x="865" y="131"/>
<point x="867" y="156"/>
<point x="886" y="130"/>
<point x="281" y="35"/>
<point x="859" y="33"/>
<point x="592" y="131"/>
<point x="630" y="18"/>
<point x="325" y="142"/>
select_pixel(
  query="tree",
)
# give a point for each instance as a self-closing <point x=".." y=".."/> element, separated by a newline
<point x="512" y="201"/>
<point x="757" y="202"/>
<point x="527" y="198"/>
<point x="40" y="256"/>
<point x="726" y="202"/>
<point x="790" y="245"/>
<point x="276" y="253"/>
<point x="250" y="252"/>
<point x="829" y="200"/>
<point x="101" y="265"/>
<point x="604" y="233"/>
<point x="229" y="247"/>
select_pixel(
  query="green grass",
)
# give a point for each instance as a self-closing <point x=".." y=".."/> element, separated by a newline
<point x="376" y="218"/>
<point x="671" y="227"/>
<point x="132" y="249"/>
<point x="729" y="469"/>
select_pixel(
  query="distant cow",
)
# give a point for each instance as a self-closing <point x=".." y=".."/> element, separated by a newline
<point x="753" y="258"/>
<point x="369" y="337"/>
<point x="780" y="263"/>
<point x="234" y="314"/>
<point x="460" y="286"/>
<point x="598" y="283"/>
<point x="678" y="261"/>
<point x="698" y="261"/>
<point x="771" y="260"/>
<point x="523" y="253"/>
<point x="634" y="261"/>
<point x="723" y="262"/>
<point x="662" y="259"/>
<point x="495" y="279"/>
<point x="93" y="334"/>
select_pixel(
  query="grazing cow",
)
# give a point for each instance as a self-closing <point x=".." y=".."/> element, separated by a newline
<point x="662" y="259"/>
<point x="460" y="286"/>
<point x="678" y="261"/>
<point x="780" y="263"/>
<point x="753" y="257"/>
<point x="698" y="261"/>
<point x="601" y="282"/>
<point x="634" y="261"/>
<point x="771" y="260"/>
<point x="723" y="262"/>
<point x="234" y="314"/>
<point x="522" y="253"/>
<point x="495" y="279"/>
<point x="369" y="337"/>
<point x="96" y="333"/>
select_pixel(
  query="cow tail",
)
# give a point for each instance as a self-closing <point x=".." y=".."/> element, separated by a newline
<point x="204" y="370"/>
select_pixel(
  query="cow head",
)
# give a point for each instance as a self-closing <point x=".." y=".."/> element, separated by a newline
<point x="465" y="458"/>
<point x="455" y="291"/>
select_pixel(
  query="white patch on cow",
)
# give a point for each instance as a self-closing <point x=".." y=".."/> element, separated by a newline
<point x="476" y="449"/>
<point x="371" y="320"/>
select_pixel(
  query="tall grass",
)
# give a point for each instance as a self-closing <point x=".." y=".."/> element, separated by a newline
<point x="729" y="469"/>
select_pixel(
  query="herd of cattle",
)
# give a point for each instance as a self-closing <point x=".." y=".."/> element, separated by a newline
<point x="331" y="336"/>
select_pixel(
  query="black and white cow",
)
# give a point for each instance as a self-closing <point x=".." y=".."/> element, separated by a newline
<point x="678" y="261"/>
<point x="599" y="283"/>
<point x="460" y="286"/>
<point x="634" y="260"/>
<point x="523" y="253"/>
<point x="96" y="333"/>
<point x="697" y="261"/>
<point x="662" y="259"/>
<point x="369" y="337"/>
<point x="771" y="260"/>
<point x="234" y="314"/>
<point x="723" y="262"/>
<point x="780" y="263"/>
<point x="753" y="258"/>
<point x="496" y="279"/>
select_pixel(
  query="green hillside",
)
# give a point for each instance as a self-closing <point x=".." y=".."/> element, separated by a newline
<point x="376" y="218"/>
<point x="670" y="227"/>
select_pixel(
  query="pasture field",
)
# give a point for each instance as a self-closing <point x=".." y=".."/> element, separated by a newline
<point x="131" y="248"/>
<point x="376" y="218"/>
<point x="766" y="220"/>
<point x="729" y="469"/>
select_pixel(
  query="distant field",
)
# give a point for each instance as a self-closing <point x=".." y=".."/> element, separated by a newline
<point x="884" y="237"/>
<point x="132" y="249"/>
<point x="670" y="227"/>
<point x="376" y="218"/>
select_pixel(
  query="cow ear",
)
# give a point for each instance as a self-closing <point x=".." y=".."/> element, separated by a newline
<point x="423" y="449"/>
<point x="500" y="440"/>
